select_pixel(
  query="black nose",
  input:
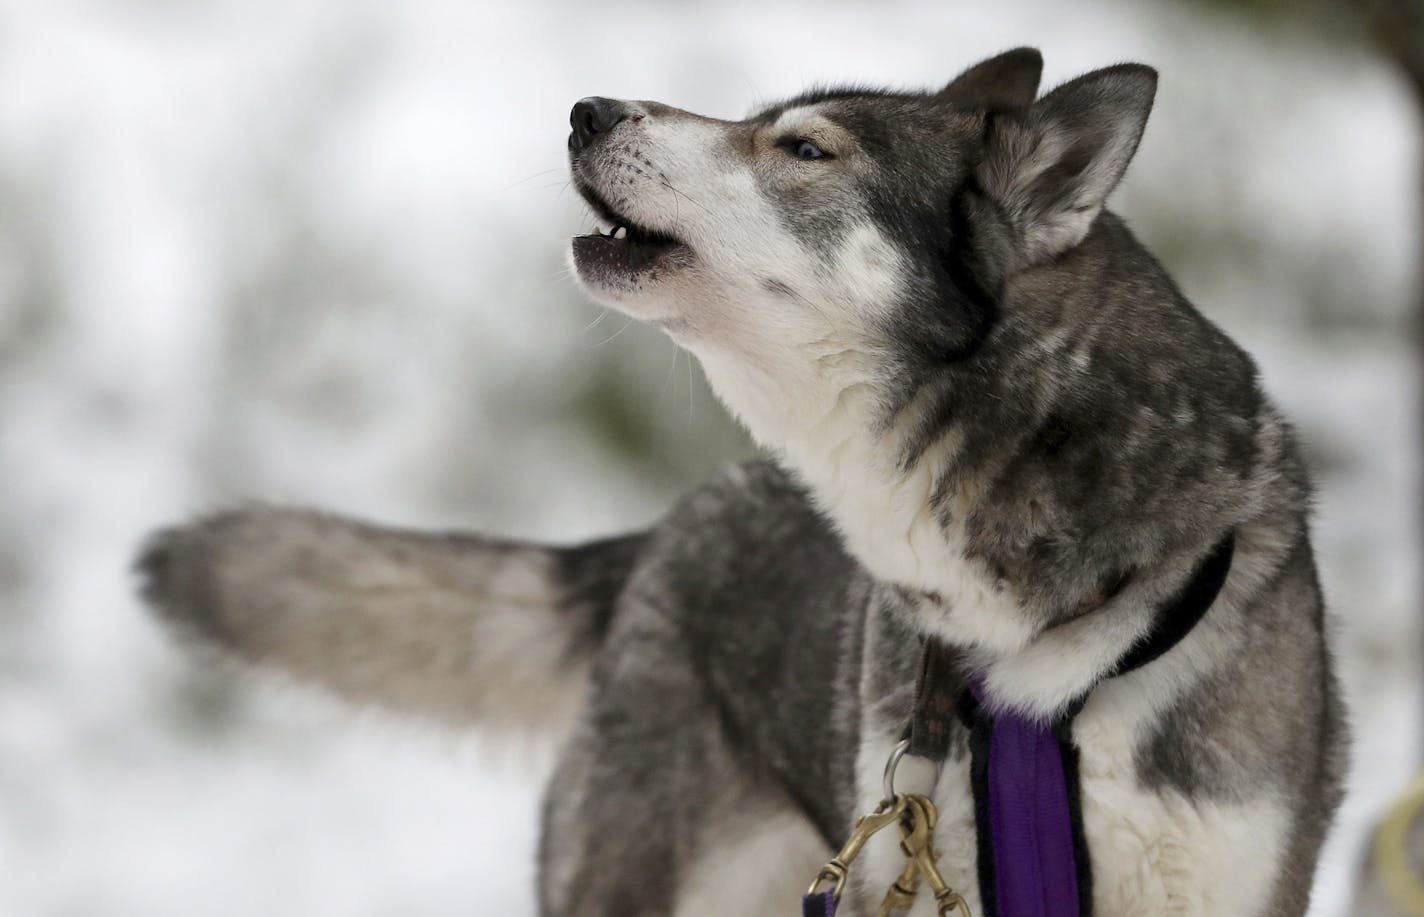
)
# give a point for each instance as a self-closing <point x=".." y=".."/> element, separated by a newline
<point x="591" y="117"/>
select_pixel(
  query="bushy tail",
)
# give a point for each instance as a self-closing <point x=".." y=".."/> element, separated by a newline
<point x="462" y="627"/>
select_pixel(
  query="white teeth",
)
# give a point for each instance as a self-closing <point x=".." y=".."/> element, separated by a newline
<point x="597" y="231"/>
<point x="620" y="232"/>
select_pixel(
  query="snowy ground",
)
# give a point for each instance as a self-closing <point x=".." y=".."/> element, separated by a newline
<point x="310" y="251"/>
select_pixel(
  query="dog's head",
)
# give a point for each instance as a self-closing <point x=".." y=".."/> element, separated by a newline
<point x="846" y="232"/>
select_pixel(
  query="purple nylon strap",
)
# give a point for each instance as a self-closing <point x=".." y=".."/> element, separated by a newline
<point x="821" y="904"/>
<point x="1030" y="819"/>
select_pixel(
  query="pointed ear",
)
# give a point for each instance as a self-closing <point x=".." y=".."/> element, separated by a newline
<point x="1052" y="170"/>
<point x="1007" y="81"/>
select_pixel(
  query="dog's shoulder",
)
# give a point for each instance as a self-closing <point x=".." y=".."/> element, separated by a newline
<point x="745" y="562"/>
<point x="744" y="516"/>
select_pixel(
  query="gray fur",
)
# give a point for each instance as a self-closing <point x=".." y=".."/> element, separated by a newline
<point x="415" y="622"/>
<point x="1078" y="433"/>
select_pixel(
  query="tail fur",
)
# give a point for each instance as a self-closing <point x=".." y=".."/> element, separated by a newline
<point x="464" y="628"/>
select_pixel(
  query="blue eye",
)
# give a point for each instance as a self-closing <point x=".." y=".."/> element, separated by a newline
<point x="805" y="149"/>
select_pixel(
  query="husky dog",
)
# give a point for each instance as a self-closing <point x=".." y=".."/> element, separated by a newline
<point x="996" y="423"/>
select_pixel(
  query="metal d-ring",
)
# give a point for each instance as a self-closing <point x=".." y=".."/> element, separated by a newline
<point x="901" y="748"/>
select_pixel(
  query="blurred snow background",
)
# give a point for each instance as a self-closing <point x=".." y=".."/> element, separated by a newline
<point x="311" y="251"/>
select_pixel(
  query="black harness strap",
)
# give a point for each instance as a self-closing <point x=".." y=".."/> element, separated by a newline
<point x="1184" y="611"/>
<point x="936" y="703"/>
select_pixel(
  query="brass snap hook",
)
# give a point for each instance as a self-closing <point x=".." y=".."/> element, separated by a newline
<point x="917" y="843"/>
<point x="886" y="814"/>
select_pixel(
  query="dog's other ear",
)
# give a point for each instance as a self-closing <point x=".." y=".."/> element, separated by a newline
<point x="1052" y="169"/>
<point x="1009" y="80"/>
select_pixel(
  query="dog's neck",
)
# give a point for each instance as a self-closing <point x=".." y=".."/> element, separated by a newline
<point x="891" y="520"/>
<point x="905" y="523"/>
<point x="827" y="427"/>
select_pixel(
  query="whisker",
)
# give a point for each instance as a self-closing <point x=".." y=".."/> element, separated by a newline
<point x="527" y="178"/>
<point x="669" y="185"/>
<point x="614" y="334"/>
<point x="690" y="389"/>
<point x="595" y="323"/>
<point x="672" y="371"/>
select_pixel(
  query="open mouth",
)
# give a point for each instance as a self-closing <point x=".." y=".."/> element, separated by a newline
<point x="621" y="245"/>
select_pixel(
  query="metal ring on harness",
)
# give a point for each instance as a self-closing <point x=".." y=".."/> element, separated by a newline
<point x="891" y="764"/>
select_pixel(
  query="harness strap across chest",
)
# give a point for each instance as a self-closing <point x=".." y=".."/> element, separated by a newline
<point x="1033" y="858"/>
